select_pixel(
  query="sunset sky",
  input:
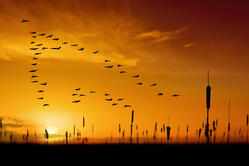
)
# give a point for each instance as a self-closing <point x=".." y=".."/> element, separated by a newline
<point x="172" y="43"/>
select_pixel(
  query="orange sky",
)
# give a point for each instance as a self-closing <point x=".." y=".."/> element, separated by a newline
<point x="171" y="43"/>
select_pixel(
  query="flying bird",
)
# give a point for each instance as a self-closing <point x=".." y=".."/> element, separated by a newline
<point x="32" y="42"/>
<point x="107" y="60"/>
<point x="33" y="76"/>
<point x="95" y="52"/>
<point x="33" y="48"/>
<point x="32" y="33"/>
<point x="35" y="58"/>
<point x="119" y="65"/>
<point x="34" y="81"/>
<point x="34" y="64"/>
<point x="74" y="45"/>
<point x="44" y="48"/>
<point x="75" y="101"/>
<point x="42" y="34"/>
<point x="81" y="95"/>
<point x="160" y="94"/>
<point x="40" y="91"/>
<point x="32" y="71"/>
<point x="44" y="105"/>
<point x="135" y="76"/>
<point x="110" y="66"/>
<point x="81" y="49"/>
<point x="127" y="105"/>
<point x="113" y="104"/>
<point x="23" y="21"/>
<point x="38" y="44"/>
<point x="175" y="95"/>
<point x="109" y="99"/>
<point x="56" y="48"/>
<point x="33" y="36"/>
<point x="49" y="36"/>
<point x="120" y="99"/>
<point x="64" y="43"/>
<point x="74" y="94"/>
<point x="107" y="94"/>
<point x="56" y="39"/>
<point x="122" y="71"/>
<point x="38" y="53"/>
<point x="140" y="83"/>
<point x="77" y="89"/>
<point x="44" y="83"/>
<point x="92" y="92"/>
<point x="40" y="98"/>
<point x="153" y="84"/>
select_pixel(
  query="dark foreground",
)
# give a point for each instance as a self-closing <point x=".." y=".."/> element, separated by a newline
<point x="127" y="151"/>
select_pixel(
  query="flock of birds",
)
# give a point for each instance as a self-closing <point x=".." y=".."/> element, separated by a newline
<point x="38" y="49"/>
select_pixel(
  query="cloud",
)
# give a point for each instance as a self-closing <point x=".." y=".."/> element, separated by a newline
<point x="158" y="36"/>
<point x="188" y="45"/>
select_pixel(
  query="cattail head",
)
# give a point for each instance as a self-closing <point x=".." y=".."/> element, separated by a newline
<point x="1" y="125"/>
<point x="83" y="121"/>
<point x="163" y="127"/>
<point x="136" y="127"/>
<point x="187" y="128"/>
<point x="132" y="116"/>
<point x="216" y="122"/>
<point x="247" y="120"/>
<point x="119" y="128"/>
<point x="229" y="127"/>
<point x="46" y="133"/>
<point x="156" y="126"/>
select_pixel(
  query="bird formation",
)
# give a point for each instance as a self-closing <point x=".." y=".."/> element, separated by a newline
<point x="39" y="48"/>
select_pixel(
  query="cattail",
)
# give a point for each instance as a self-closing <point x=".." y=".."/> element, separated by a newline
<point x="73" y="129"/>
<point x="247" y="120"/>
<point x="46" y="134"/>
<point x="163" y="127"/>
<point x="1" y="124"/>
<point x="83" y="121"/>
<point x="66" y="137"/>
<point x="119" y="128"/>
<point x="168" y="133"/>
<point x="132" y="116"/>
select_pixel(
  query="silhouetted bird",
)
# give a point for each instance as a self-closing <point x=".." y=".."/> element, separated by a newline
<point x="76" y="101"/>
<point x="38" y="44"/>
<point x="74" y="45"/>
<point x="56" y="48"/>
<point x="56" y="39"/>
<point x="92" y="92"/>
<point x="42" y="34"/>
<point x="77" y="89"/>
<point x="81" y="49"/>
<point x="160" y="94"/>
<point x="32" y="33"/>
<point x="40" y="98"/>
<point x="81" y="95"/>
<point x="113" y="104"/>
<point x="109" y="99"/>
<point x="34" y="64"/>
<point x="34" y="81"/>
<point x="40" y="91"/>
<point x="44" y="48"/>
<point x="110" y="66"/>
<point x="140" y="83"/>
<point x="38" y="53"/>
<point x="119" y="65"/>
<point x="33" y="48"/>
<point x="122" y="71"/>
<point x="135" y="76"/>
<point x="95" y="52"/>
<point x="107" y="60"/>
<point x="35" y="58"/>
<point x="45" y="83"/>
<point x="32" y="71"/>
<point x="120" y="99"/>
<point x="32" y="42"/>
<point x="23" y="21"/>
<point x="49" y="36"/>
<point x="74" y="94"/>
<point x="127" y="105"/>
<point x="175" y="95"/>
<point x="33" y="76"/>
<point x="107" y="94"/>
<point x="64" y="43"/>
<point x="45" y="105"/>
<point x="153" y="84"/>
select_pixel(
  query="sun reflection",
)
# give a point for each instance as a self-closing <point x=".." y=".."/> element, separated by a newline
<point x="52" y="130"/>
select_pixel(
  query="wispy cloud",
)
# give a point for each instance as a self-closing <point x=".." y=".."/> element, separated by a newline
<point x="158" y="36"/>
<point x="187" y="45"/>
